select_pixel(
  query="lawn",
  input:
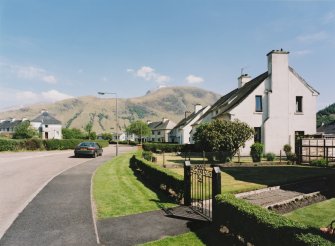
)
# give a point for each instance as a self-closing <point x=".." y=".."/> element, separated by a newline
<point x="118" y="192"/>
<point x="316" y="215"/>
<point x="240" y="179"/>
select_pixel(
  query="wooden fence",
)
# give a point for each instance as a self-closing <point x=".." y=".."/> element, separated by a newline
<point x="309" y="149"/>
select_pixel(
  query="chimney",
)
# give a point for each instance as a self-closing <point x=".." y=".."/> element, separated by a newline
<point x="278" y="69"/>
<point x="164" y="119"/>
<point x="148" y="122"/>
<point x="197" y="108"/>
<point x="24" y="119"/>
<point x="243" y="79"/>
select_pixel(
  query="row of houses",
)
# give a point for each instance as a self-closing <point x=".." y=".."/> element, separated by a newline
<point x="279" y="104"/>
<point x="47" y="126"/>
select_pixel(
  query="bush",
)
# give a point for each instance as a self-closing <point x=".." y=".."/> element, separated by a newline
<point x="163" y="147"/>
<point x="158" y="176"/>
<point x="61" y="144"/>
<point x="287" y="148"/>
<point x="262" y="227"/>
<point x="319" y="163"/>
<point x="124" y="142"/>
<point x="256" y="152"/>
<point x="147" y="155"/>
<point x="32" y="144"/>
<point x="9" y="144"/>
<point x="270" y="156"/>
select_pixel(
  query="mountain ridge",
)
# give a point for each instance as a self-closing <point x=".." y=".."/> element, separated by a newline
<point x="167" y="102"/>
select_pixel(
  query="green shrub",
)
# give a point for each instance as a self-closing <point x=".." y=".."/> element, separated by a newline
<point x="256" y="152"/>
<point x="32" y="144"/>
<point x="9" y="144"/>
<point x="319" y="163"/>
<point x="287" y="148"/>
<point x="147" y="155"/>
<point x="158" y="177"/>
<point x="124" y="142"/>
<point x="62" y="144"/>
<point x="262" y="227"/>
<point x="163" y="147"/>
<point x="270" y="156"/>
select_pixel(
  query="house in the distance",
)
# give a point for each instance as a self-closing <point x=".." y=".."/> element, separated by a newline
<point x="160" y="130"/>
<point x="279" y="104"/>
<point x="48" y="126"/>
<point x="181" y="132"/>
<point x="8" y="126"/>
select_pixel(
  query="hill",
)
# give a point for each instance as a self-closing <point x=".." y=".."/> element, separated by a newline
<point x="326" y="116"/>
<point x="169" y="102"/>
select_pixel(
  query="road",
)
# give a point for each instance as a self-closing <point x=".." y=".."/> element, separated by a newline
<point x="24" y="174"/>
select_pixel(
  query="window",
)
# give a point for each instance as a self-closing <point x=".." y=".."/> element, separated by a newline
<point x="46" y="126"/>
<point x="298" y="104"/>
<point x="258" y="135"/>
<point x="259" y="106"/>
<point x="158" y="133"/>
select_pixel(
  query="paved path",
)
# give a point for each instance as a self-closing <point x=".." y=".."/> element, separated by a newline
<point x="61" y="213"/>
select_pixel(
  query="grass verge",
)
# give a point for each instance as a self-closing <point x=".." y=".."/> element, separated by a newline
<point x="316" y="215"/>
<point x="118" y="192"/>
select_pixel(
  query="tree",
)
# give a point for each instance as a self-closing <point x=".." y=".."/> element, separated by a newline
<point x="88" y="129"/>
<point x="107" y="136"/>
<point x="223" y="136"/>
<point x="24" y="130"/>
<point x="72" y="133"/>
<point x="139" y="128"/>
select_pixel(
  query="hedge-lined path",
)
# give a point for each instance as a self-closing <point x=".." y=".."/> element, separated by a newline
<point x="149" y="226"/>
<point x="60" y="214"/>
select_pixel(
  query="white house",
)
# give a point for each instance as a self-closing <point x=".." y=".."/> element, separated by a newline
<point x="47" y="125"/>
<point x="181" y="132"/>
<point x="279" y="104"/>
<point x="8" y="126"/>
<point x="160" y="130"/>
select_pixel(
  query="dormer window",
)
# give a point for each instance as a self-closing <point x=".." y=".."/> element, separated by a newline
<point x="259" y="106"/>
<point x="298" y="104"/>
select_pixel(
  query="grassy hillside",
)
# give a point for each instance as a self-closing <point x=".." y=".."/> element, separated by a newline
<point x="169" y="102"/>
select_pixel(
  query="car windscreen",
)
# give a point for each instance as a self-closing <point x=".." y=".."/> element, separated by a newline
<point x="86" y="144"/>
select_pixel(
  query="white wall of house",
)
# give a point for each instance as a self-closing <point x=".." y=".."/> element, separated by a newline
<point x="48" y="131"/>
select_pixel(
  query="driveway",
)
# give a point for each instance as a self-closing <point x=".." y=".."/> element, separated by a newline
<point x="23" y="175"/>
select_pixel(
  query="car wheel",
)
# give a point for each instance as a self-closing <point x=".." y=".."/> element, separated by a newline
<point x="94" y="154"/>
<point x="76" y="155"/>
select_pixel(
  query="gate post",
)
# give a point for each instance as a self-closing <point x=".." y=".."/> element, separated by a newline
<point x="216" y="190"/>
<point x="187" y="183"/>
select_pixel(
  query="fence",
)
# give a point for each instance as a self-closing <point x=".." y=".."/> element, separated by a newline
<point x="309" y="149"/>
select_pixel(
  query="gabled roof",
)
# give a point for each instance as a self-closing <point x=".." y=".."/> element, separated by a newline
<point x="327" y="129"/>
<point x="9" y="123"/>
<point x="161" y="125"/>
<point x="303" y="81"/>
<point x="235" y="97"/>
<point x="46" y="118"/>
<point x="189" y="118"/>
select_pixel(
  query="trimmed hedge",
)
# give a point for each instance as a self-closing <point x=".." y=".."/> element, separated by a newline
<point x="124" y="142"/>
<point x="262" y="227"/>
<point x="163" y="147"/>
<point x="9" y="144"/>
<point x="39" y="144"/>
<point x="158" y="176"/>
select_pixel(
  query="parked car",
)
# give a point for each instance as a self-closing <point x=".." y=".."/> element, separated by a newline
<point x="88" y="148"/>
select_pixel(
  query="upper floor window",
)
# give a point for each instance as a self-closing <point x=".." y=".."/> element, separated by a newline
<point x="46" y="126"/>
<point x="298" y="104"/>
<point x="159" y="133"/>
<point x="259" y="106"/>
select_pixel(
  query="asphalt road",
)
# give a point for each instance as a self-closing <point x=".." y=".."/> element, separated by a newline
<point x="23" y="175"/>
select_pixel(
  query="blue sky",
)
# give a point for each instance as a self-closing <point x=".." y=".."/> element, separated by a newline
<point x="51" y="50"/>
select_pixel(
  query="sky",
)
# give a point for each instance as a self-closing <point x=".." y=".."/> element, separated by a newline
<point x="56" y="49"/>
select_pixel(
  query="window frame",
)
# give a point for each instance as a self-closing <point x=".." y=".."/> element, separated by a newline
<point x="299" y="104"/>
<point x="258" y="99"/>
<point x="258" y="135"/>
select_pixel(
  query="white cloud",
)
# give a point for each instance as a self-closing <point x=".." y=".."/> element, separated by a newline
<point x="11" y="97"/>
<point x="314" y="37"/>
<point x="192" y="79"/>
<point x="149" y="74"/>
<point x="28" y="72"/>
<point x="329" y="18"/>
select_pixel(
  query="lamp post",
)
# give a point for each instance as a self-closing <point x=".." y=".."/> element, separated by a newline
<point x="116" y="120"/>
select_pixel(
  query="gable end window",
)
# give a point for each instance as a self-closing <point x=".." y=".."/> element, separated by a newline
<point x="298" y="104"/>
<point x="259" y="106"/>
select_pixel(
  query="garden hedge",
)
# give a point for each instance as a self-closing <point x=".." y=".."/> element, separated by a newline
<point x="158" y="176"/>
<point x="39" y="144"/>
<point x="262" y="227"/>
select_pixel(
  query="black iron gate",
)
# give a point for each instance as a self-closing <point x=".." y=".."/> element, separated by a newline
<point x="202" y="184"/>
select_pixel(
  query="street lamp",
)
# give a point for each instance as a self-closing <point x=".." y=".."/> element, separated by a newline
<point x="116" y="119"/>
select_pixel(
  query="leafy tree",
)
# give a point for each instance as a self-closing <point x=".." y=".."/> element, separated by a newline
<point x="139" y="128"/>
<point x="107" y="136"/>
<point x="72" y="133"/>
<point x="24" y="130"/>
<point x="223" y="136"/>
<point x="88" y="128"/>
